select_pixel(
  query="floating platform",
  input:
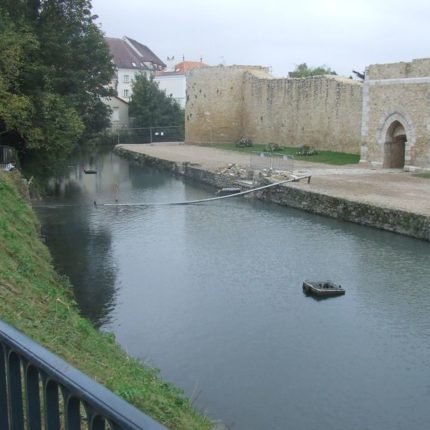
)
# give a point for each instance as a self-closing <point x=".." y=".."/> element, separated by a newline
<point x="228" y="191"/>
<point x="322" y="288"/>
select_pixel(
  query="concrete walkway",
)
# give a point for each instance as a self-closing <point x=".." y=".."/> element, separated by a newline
<point x="392" y="189"/>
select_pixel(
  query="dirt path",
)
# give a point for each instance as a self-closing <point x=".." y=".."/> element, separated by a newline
<point x="384" y="188"/>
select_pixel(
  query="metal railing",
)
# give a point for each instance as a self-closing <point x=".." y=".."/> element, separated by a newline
<point x="39" y="390"/>
<point x="271" y="161"/>
<point x="151" y="134"/>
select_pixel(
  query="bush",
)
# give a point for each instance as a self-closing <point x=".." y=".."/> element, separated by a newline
<point x="306" y="150"/>
<point x="244" y="142"/>
<point x="272" y="147"/>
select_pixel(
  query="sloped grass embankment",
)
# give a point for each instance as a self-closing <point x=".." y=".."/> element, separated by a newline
<point x="39" y="302"/>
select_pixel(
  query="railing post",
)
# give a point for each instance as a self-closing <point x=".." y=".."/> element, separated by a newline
<point x="97" y="423"/>
<point x="52" y="410"/>
<point x="72" y="412"/>
<point x="32" y="397"/>
<point x="3" y="390"/>
<point x="16" y="412"/>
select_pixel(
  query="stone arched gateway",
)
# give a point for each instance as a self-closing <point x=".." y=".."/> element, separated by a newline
<point x="395" y="115"/>
<point x="396" y="139"/>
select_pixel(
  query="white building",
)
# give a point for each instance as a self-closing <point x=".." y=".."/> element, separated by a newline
<point x="130" y="58"/>
<point x="119" y="117"/>
<point x="174" y="81"/>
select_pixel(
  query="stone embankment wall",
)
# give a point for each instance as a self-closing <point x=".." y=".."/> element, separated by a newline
<point x="396" y="97"/>
<point x="397" y="221"/>
<point x="226" y="103"/>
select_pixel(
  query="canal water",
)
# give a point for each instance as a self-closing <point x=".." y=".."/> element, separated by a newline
<point x="211" y="294"/>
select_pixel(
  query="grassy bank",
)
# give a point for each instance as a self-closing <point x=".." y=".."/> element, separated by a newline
<point x="425" y="175"/>
<point x="328" y="157"/>
<point x="37" y="301"/>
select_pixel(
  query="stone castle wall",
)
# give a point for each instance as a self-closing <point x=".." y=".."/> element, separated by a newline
<point x="414" y="69"/>
<point x="323" y="112"/>
<point x="386" y="119"/>
<point x="214" y="104"/>
<point x="226" y="103"/>
<point x="397" y="96"/>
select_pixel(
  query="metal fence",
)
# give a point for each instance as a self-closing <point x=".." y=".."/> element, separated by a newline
<point x="271" y="161"/>
<point x="39" y="390"/>
<point x="151" y="134"/>
<point x="7" y="154"/>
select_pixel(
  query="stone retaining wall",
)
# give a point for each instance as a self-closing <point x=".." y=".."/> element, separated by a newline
<point x="402" y="222"/>
<point x="397" y="221"/>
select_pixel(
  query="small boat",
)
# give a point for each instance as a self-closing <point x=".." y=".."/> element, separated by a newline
<point x="322" y="288"/>
<point x="90" y="171"/>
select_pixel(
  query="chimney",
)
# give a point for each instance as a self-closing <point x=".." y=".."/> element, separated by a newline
<point x="170" y="64"/>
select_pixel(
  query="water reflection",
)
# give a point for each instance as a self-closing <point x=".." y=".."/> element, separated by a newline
<point x="149" y="179"/>
<point x="78" y="238"/>
<point x="82" y="250"/>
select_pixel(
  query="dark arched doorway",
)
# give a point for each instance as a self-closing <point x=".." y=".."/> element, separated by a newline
<point x="394" y="147"/>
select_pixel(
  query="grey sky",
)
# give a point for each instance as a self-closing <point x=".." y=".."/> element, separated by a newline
<point x="343" y="35"/>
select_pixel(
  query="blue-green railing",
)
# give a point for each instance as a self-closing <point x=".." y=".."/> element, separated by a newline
<point x="39" y="390"/>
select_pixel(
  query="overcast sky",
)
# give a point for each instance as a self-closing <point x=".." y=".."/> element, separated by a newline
<point x="341" y="34"/>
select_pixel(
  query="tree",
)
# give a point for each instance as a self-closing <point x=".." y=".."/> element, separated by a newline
<point x="303" y="71"/>
<point x="54" y="70"/>
<point x="151" y="107"/>
<point x="16" y="107"/>
<point x="76" y="59"/>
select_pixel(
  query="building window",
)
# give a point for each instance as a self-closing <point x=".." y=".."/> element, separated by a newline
<point x="115" y="114"/>
<point x="126" y="79"/>
<point x="126" y="93"/>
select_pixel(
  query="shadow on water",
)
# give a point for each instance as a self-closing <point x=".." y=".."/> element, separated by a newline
<point x="83" y="252"/>
<point x="79" y="242"/>
<point x="319" y="298"/>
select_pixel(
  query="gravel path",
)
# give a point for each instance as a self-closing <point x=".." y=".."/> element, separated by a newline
<point x="385" y="188"/>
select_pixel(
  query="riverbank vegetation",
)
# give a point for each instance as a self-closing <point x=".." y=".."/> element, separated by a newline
<point x="328" y="157"/>
<point x="54" y="71"/>
<point x="39" y="302"/>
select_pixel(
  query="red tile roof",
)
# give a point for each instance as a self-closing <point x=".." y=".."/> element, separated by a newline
<point x="185" y="66"/>
<point x="182" y="68"/>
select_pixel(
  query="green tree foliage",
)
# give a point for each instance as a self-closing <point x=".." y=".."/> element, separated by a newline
<point x="16" y="108"/>
<point x="76" y="60"/>
<point x="151" y="107"/>
<point x="303" y="71"/>
<point x="58" y="122"/>
<point x="54" y="69"/>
